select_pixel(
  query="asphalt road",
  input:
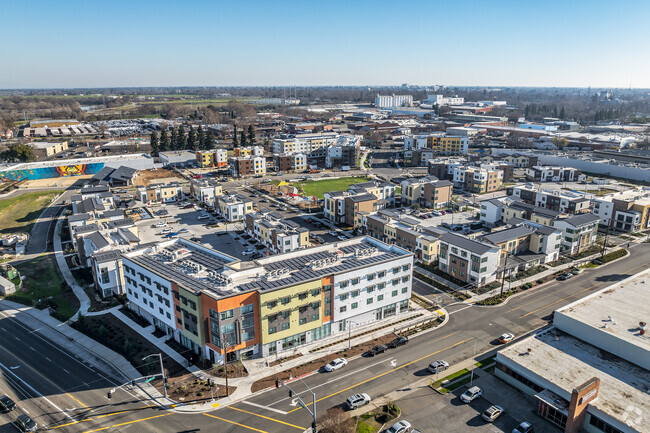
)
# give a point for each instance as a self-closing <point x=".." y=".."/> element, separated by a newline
<point x="274" y="410"/>
<point x="37" y="242"/>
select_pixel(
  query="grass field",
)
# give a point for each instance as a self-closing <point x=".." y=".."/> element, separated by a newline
<point x="320" y="187"/>
<point x="43" y="281"/>
<point x="18" y="214"/>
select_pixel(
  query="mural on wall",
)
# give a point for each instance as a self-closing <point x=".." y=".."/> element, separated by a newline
<point x="51" y="172"/>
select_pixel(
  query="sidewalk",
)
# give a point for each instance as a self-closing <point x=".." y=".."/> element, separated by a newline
<point x="258" y="368"/>
<point x="79" y="292"/>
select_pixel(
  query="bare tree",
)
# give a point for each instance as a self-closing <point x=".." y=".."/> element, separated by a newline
<point x="336" y="420"/>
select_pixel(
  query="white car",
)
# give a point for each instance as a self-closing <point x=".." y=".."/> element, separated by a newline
<point x="204" y="216"/>
<point x="357" y="400"/>
<point x="165" y="231"/>
<point x="400" y="427"/>
<point x="161" y="224"/>
<point x="471" y="394"/>
<point x="336" y="364"/>
<point x="248" y="252"/>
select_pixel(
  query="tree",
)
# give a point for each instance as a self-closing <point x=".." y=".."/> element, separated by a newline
<point x="165" y="143"/>
<point x="201" y="138"/>
<point x="209" y="141"/>
<point x="18" y="153"/>
<point x="191" y="139"/>
<point x="242" y="138"/>
<point x="182" y="139"/>
<point x="174" y="139"/>
<point x="155" y="144"/>
<point x="562" y="113"/>
<point x="251" y="134"/>
<point x="336" y="420"/>
<point x="234" y="136"/>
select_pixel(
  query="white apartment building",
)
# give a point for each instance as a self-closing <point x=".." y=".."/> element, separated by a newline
<point x="558" y="200"/>
<point x="234" y="207"/>
<point x="108" y="273"/>
<point x="473" y="262"/>
<point x="441" y="100"/>
<point x="578" y="232"/>
<point x="539" y="173"/>
<point x="372" y="293"/>
<point x="392" y="101"/>
<point x="440" y="142"/>
<point x="304" y="143"/>
<point x="205" y="190"/>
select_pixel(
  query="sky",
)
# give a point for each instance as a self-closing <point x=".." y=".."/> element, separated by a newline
<point x="142" y="43"/>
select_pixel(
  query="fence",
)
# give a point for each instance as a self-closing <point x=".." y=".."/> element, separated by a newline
<point x="418" y="326"/>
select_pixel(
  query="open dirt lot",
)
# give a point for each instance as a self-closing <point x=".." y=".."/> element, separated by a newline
<point x="161" y="175"/>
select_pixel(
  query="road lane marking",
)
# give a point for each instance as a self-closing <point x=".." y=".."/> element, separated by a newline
<point x="261" y="406"/>
<point x="464" y="308"/>
<point x="103" y="416"/>
<point x="231" y="422"/>
<point x="532" y="302"/>
<point x="127" y="423"/>
<point x="33" y="390"/>
<point x="387" y="372"/>
<point x="76" y="399"/>
<point x="266" y="417"/>
<point x="559" y="300"/>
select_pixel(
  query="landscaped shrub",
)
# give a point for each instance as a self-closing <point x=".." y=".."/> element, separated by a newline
<point x="613" y="256"/>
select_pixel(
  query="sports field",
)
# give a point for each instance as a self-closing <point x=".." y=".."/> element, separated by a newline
<point x="319" y="187"/>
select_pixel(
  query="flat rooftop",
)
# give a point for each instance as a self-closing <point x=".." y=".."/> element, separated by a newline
<point x="77" y="161"/>
<point x="564" y="363"/>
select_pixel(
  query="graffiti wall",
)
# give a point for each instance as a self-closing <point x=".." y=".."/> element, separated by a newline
<point x="51" y="172"/>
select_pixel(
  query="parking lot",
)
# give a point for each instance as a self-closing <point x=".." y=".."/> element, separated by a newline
<point x="447" y="413"/>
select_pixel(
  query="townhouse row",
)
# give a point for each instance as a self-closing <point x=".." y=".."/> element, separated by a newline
<point x="220" y="307"/>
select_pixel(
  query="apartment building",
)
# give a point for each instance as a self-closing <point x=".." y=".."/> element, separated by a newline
<point x="443" y="168"/>
<point x="233" y="207"/>
<point x="205" y="191"/>
<point x="478" y="180"/>
<point x="544" y="173"/>
<point x="627" y="211"/>
<point x="525" y="244"/>
<point x="218" y="306"/>
<point x="384" y="191"/>
<point x="161" y="193"/>
<point x="474" y="262"/>
<point x="243" y="166"/>
<point x="418" y="157"/>
<point x="349" y="207"/>
<point x="578" y="232"/>
<point x="343" y="154"/>
<point x="304" y="143"/>
<point x="249" y="151"/>
<point x="296" y="162"/>
<point x="393" y="101"/>
<point x="277" y="233"/>
<point x="518" y="160"/>
<point x="440" y="143"/>
<point x="405" y="232"/>
<point x="497" y="211"/>
<point x="217" y="158"/>
<point x="553" y="199"/>
<point x="427" y="192"/>
<point x="45" y="149"/>
<point x="441" y="100"/>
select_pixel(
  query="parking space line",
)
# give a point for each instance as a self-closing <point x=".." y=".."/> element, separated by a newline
<point x="266" y="417"/>
<point x="232" y="422"/>
<point x="387" y="372"/>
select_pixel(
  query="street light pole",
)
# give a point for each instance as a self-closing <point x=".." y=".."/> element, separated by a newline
<point x="302" y="403"/>
<point x="350" y="332"/>
<point x="162" y="369"/>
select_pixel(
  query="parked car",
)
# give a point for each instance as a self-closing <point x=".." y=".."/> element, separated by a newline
<point x="442" y="212"/>
<point x="524" y="427"/>
<point x="438" y="366"/>
<point x="25" y="423"/>
<point x="204" y="216"/>
<point x="249" y="251"/>
<point x="165" y="231"/>
<point x="399" y="341"/>
<point x="400" y="427"/>
<point x="565" y="276"/>
<point x="183" y="230"/>
<point x="6" y="404"/>
<point x="357" y="400"/>
<point x="336" y="364"/>
<point x="376" y="350"/>
<point x="576" y="271"/>
<point x="333" y="233"/>
<point x="342" y="238"/>
<point x="436" y="213"/>
<point x="257" y="256"/>
<point x="492" y="413"/>
<point x="161" y="224"/>
<point x="471" y="394"/>
<point x="506" y="338"/>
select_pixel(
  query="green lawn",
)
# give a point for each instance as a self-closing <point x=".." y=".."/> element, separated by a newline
<point x="18" y="214"/>
<point x="320" y="187"/>
<point x="43" y="281"/>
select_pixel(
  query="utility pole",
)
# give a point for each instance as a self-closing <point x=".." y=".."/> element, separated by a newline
<point x="225" y="354"/>
<point x="162" y="369"/>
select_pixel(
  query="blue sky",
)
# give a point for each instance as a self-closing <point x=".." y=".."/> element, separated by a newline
<point x="113" y="43"/>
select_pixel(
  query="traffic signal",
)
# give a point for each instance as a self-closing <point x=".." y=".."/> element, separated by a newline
<point x="110" y="395"/>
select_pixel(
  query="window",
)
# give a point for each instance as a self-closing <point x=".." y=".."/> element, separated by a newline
<point x="381" y="274"/>
<point x="302" y="321"/>
<point x="272" y="304"/>
<point x="328" y="312"/>
<point x="371" y="277"/>
<point x="405" y="289"/>
<point x="370" y="289"/>
<point x="370" y="300"/>
<point x="286" y="314"/>
<point x="285" y="300"/>
<point x="355" y="293"/>
<point x="249" y="335"/>
<point x="315" y="292"/>
<point x="380" y="298"/>
<point x="343" y="309"/>
<point x="395" y="281"/>
<point x="406" y="267"/>
<point x="484" y="259"/>
<point x="226" y="314"/>
<point x="394" y="293"/>
<point x="302" y="296"/>
<point x="602" y="425"/>
<point x="343" y="296"/>
<point x="405" y="278"/>
<point x="225" y="329"/>
<point x="248" y="322"/>
<point x="286" y="326"/>
<point x="272" y="330"/>
<point x="355" y="280"/>
<point x="395" y="270"/>
<point x="354" y="305"/>
<point x="380" y="286"/>
<point x="246" y="309"/>
<point x="484" y="269"/>
<point x="344" y="284"/>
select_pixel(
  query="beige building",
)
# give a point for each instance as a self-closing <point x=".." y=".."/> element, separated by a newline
<point x="46" y="149"/>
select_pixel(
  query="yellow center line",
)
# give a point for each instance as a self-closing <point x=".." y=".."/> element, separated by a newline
<point x="127" y="423"/>
<point x="101" y="416"/>
<point x="266" y="417"/>
<point x="387" y="372"/>
<point x="76" y="399"/>
<point x="233" y="422"/>
<point x="559" y="300"/>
